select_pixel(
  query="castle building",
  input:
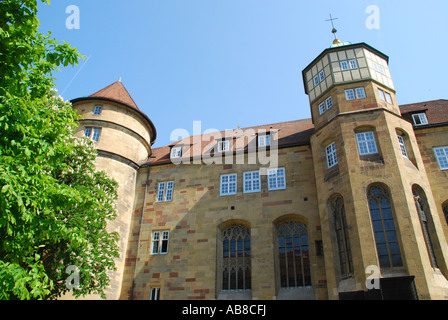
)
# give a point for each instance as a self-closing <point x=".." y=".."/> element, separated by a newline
<point x="350" y="204"/>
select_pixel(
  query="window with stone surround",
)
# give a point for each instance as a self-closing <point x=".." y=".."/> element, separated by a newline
<point x="92" y="133"/>
<point x="165" y="191"/>
<point x="442" y="157"/>
<point x="154" y="294"/>
<point x="332" y="158"/>
<point x="366" y="143"/>
<point x="252" y="182"/>
<point x="276" y="179"/>
<point x="228" y="184"/>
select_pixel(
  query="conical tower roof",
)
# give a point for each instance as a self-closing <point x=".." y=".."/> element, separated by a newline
<point x="116" y="91"/>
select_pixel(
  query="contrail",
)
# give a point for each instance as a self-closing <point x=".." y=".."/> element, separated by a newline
<point x="80" y="69"/>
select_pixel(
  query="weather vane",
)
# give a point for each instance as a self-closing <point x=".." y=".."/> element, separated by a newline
<point x="334" y="31"/>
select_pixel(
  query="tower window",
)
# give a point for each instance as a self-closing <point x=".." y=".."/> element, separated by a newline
<point x="350" y="94"/>
<point x="402" y="146"/>
<point x="344" y="65"/>
<point x="420" y="119"/>
<point x="329" y="102"/>
<point x="316" y="80"/>
<point x="385" y="96"/>
<point x="228" y="184"/>
<point x="322" y="108"/>
<point x="92" y="133"/>
<point x="360" y="93"/>
<point x="353" y="64"/>
<point x="332" y="158"/>
<point x="276" y="179"/>
<point x="160" y="242"/>
<point x="98" y="110"/>
<point x="366" y="143"/>
<point x="442" y="157"/>
<point x="321" y="76"/>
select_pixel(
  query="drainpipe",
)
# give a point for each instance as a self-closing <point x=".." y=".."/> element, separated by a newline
<point x="140" y="231"/>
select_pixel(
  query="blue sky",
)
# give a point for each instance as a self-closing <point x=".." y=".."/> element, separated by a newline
<point x="230" y="63"/>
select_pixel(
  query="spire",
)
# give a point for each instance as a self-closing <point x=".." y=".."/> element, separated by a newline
<point x="116" y="91"/>
<point x="334" y="31"/>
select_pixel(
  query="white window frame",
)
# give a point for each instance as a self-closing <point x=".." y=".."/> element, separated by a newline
<point x="176" y="152"/>
<point x="353" y="64"/>
<point x="154" y="294"/>
<point x="402" y="144"/>
<point x="344" y="65"/>
<point x="276" y="179"/>
<point x="165" y="191"/>
<point x="366" y="143"/>
<point x="316" y="80"/>
<point x="223" y="145"/>
<point x="228" y="182"/>
<point x="92" y="133"/>
<point x="264" y="140"/>
<point x="322" y="108"/>
<point x="388" y="97"/>
<point x="422" y="119"/>
<point x="329" y="102"/>
<point x="442" y="157"/>
<point x="97" y="110"/>
<point x="321" y="76"/>
<point x="360" y="93"/>
<point x="331" y="155"/>
<point x="251" y="182"/>
<point x="381" y="94"/>
<point x="350" y="94"/>
<point x="159" y="238"/>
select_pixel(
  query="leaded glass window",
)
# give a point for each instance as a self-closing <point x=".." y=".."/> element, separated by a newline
<point x="343" y="241"/>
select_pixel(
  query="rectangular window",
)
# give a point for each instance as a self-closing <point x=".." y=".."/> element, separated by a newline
<point x="420" y="119"/>
<point x="228" y="184"/>
<point x="316" y="80"/>
<point x="332" y="158"/>
<point x="165" y="191"/>
<point x="353" y="64"/>
<point x="87" y="132"/>
<point x="388" y="97"/>
<point x="442" y="157"/>
<point x="321" y="76"/>
<point x="252" y="182"/>
<point x="329" y="102"/>
<point x="360" y="93"/>
<point x="379" y="68"/>
<point x="366" y="143"/>
<point x="223" y="145"/>
<point x="402" y="146"/>
<point x="264" y="140"/>
<point x="381" y="94"/>
<point x="350" y="94"/>
<point x="160" y="241"/>
<point x="344" y="65"/>
<point x="97" y="110"/>
<point x="276" y="179"/>
<point x="155" y="294"/>
<point x="176" y="152"/>
<point x="322" y="108"/>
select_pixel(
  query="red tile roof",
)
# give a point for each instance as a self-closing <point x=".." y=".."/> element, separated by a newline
<point x="436" y="111"/>
<point x="116" y="91"/>
<point x="290" y="133"/>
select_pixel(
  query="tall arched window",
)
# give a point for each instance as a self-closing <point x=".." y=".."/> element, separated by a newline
<point x="426" y="222"/>
<point x="342" y="237"/>
<point x="236" y="266"/>
<point x="387" y="246"/>
<point x="445" y="211"/>
<point x="294" y="258"/>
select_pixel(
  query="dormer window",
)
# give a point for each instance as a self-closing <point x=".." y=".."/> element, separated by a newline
<point x="420" y="119"/>
<point x="176" y="152"/>
<point x="223" y="145"/>
<point x="264" y="140"/>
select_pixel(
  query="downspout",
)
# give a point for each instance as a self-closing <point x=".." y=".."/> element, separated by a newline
<point x="140" y="232"/>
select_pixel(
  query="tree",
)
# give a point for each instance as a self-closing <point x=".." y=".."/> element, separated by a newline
<point x="54" y="205"/>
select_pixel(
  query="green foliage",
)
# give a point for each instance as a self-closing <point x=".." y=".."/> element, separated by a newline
<point x="54" y="206"/>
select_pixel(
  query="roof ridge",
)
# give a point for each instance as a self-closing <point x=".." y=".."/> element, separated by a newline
<point x="116" y="91"/>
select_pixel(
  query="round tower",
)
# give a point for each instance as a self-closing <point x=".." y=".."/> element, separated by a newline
<point x="379" y="220"/>
<point x="123" y="136"/>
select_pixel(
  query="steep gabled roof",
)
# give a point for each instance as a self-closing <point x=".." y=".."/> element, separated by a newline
<point x="116" y="91"/>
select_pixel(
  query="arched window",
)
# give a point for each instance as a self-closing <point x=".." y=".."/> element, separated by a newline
<point x="342" y="237"/>
<point x="236" y="266"/>
<point x="445" y="211"/>
<point x="387" y="246"/>
<point x="294" y="258"/>
<point x="426" y="221"/>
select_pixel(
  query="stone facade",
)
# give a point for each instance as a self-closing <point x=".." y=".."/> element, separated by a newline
<point x="309" y="229"/>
